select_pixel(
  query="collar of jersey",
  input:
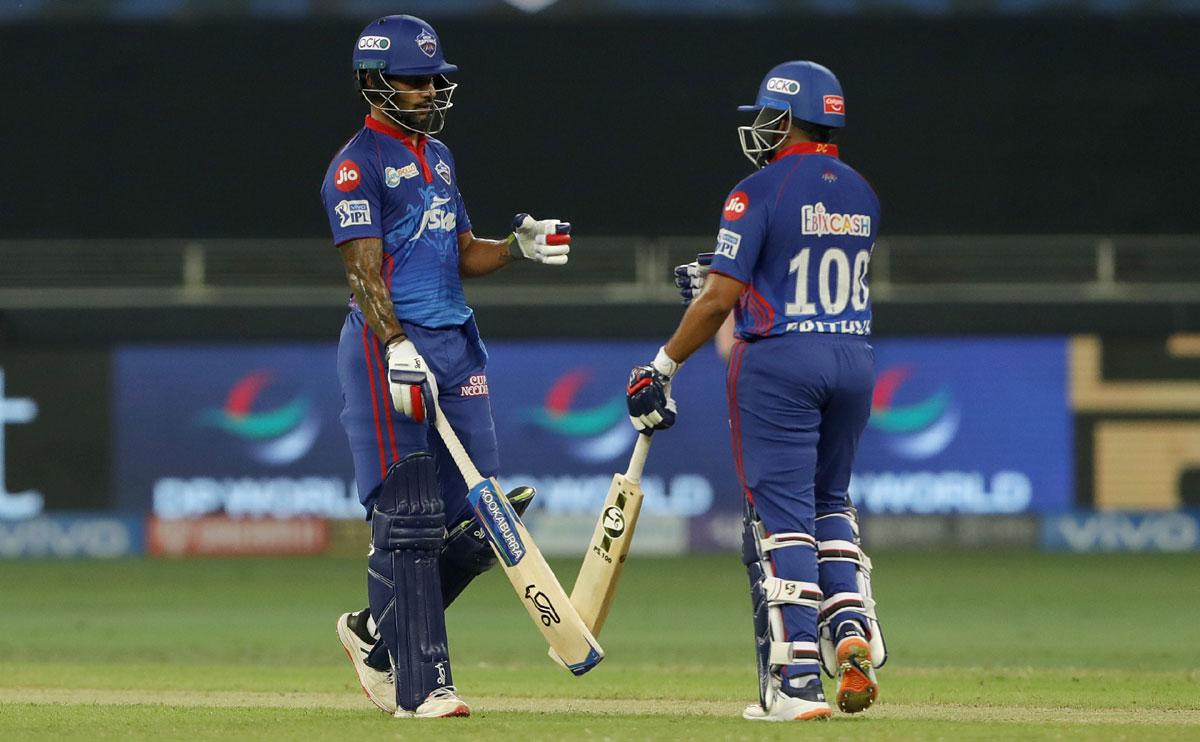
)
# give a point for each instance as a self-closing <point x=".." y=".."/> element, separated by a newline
<point x="807" y="148"/>
<point x="418" y="150"/>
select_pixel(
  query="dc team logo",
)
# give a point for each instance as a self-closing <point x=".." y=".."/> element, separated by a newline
<point x="442" y="169"/>
<point x="353" y="213"/>
<point x="347" y="176"/>
<point x="835" y="105"/>
<point x="735" y="207"/>
<point x="427" y="43"/>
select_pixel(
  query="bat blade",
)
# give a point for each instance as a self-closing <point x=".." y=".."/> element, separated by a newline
<point x="596" y="586"/>
<point x="571" y="642"/>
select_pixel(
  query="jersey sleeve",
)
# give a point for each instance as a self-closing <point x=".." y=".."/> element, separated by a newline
<point x="743" y="231"/>
<point x="460" y="210"/>
<point x="351" y="193"/>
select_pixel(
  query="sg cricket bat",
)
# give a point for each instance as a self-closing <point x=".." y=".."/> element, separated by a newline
<point x="596" y="585"/>
<point x="571" y="642"/>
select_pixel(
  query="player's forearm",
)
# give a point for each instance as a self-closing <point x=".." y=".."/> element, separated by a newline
<point x="700" y="322"/>
<point x="481" y="257"/>
<point x="375" y="301"/>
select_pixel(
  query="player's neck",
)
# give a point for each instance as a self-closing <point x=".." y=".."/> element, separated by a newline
<point x="409" y="136"/>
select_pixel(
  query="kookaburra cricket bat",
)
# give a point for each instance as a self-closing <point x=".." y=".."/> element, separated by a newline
<point x="571" y="642"/>
<point x="596" y="585"/>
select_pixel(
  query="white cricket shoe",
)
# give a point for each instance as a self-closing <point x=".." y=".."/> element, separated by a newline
<point x="441" y="703"/>
<point x="379" y="686"/>
<point x="790" y="708"/>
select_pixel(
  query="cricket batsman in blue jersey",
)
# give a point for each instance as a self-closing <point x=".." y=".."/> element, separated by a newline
<point x="409" y="340"/>
<point x="791" y="261"/>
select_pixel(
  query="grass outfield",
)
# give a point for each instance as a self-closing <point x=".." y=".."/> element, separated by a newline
<point x="983" y="646"/>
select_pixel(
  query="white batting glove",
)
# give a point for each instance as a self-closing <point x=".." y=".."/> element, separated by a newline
<point x="414" y="390"/>
<point x="690" y="277"/>
<point x="545" y="241"/>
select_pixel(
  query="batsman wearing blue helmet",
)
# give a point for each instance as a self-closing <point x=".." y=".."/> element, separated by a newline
<point x="791" y="260"/>
<point x="409" y="340"/>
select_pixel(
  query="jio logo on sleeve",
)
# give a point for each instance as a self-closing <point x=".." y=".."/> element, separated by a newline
<point x="347" y="177"/>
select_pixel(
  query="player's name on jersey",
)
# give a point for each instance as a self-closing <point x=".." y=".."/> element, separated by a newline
<point x="844" y="327"/>
<point x="817" y="221"/>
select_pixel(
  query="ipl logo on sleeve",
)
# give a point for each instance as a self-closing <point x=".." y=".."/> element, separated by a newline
<point x="353" y="213"/>
<point x="728" y="243"/>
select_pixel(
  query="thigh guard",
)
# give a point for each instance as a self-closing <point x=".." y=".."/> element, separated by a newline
<point x="408" y="527"/>
<point x="768" y="594"/>
<point x="839" y="542"/>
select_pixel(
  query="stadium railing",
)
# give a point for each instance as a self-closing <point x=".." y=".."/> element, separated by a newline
<point x="619" y="270"/>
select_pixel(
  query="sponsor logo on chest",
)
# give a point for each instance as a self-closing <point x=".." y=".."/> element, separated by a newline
<point x="392" y="176"/>
<point x="437" y="218"/>
<point x="816" y="220"/>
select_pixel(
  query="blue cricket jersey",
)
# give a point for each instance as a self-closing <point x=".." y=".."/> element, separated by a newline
<point x="380" y="185"/>
<point x="799" y="234"/>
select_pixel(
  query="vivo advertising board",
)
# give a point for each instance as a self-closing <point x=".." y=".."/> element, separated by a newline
<point x="967" y="426"/>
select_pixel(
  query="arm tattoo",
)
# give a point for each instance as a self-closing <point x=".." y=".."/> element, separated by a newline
<point x="363" y="259"/>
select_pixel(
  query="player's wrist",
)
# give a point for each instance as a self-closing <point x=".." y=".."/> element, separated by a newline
<point x="664" y="364"/>
<point x="514" y="247"/>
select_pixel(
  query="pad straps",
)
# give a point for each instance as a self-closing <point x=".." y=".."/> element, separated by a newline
<point x="794" y="653"/>
<point x="792" y="592"/>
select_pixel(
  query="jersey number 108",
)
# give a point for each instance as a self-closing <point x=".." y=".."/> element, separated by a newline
<point x="834" y="292"/>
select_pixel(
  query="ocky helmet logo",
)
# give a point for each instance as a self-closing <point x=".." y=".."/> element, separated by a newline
<point x="783" y="85"/>
<point x="374" y="42"/>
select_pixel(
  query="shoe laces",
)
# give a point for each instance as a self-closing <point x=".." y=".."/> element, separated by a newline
<point x="445" y="693"/>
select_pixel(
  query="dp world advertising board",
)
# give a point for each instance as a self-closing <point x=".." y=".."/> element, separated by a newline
<point x="967" y="426"/>
<point x="244" y="430"/>
<point x="957" y="426"/>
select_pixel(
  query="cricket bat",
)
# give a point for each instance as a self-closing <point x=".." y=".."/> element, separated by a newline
<point x="571" y="642"/>
<point x="596" y="585"/>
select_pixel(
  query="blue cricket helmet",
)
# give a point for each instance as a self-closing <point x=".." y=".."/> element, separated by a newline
<point x="807" y="90"/>
<point x="402" y="46"/>
<point x="799" y="90"/>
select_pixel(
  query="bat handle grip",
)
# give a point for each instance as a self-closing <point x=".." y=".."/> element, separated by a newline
<point x="637" y="462"/>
